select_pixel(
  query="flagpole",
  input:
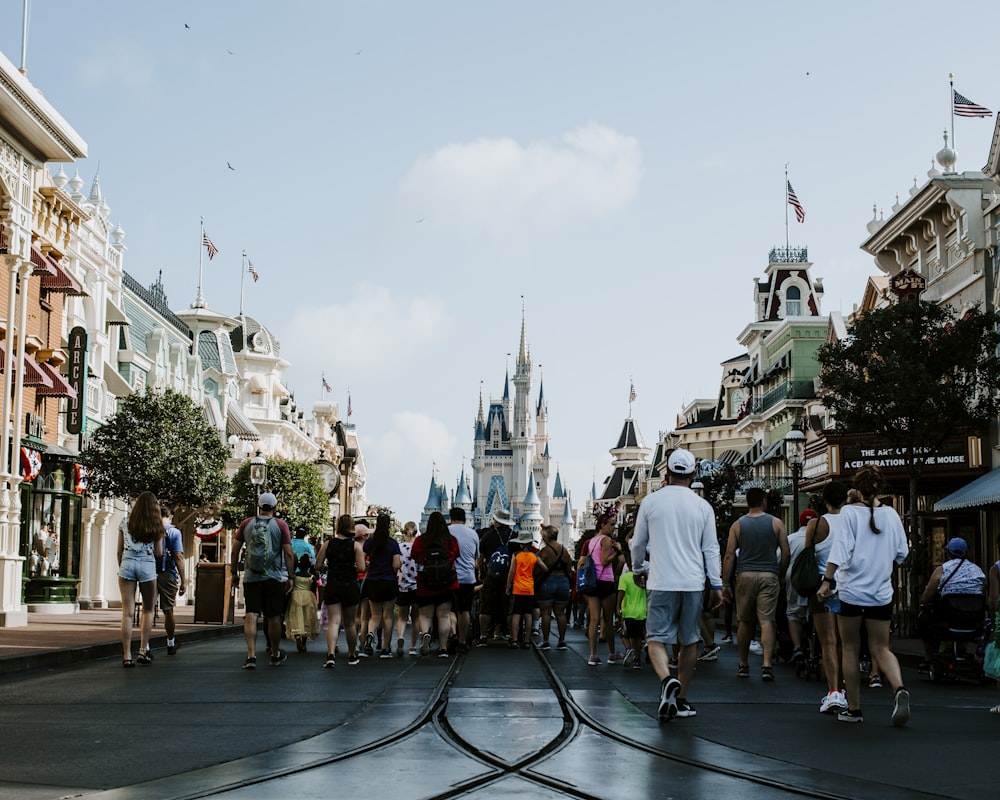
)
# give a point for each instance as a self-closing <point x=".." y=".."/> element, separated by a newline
<point x="786" y="208"/>
<point x="200" y="299"/>
<point x="951" y="84"/>
<point x="243" y="278"/>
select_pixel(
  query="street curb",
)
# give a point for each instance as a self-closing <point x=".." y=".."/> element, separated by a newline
<point x="66" y="657"/>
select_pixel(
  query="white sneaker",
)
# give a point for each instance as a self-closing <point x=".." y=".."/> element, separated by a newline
<point x="834" y="701"/>
<point x="755" y="648"/>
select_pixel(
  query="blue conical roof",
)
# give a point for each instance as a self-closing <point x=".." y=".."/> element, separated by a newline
<point x="558" y="490"/>
<point x="531" y="496"/>
<point x="567" y="517"/>
<point x="433" y="502"/>
<point x="506" y="385"/>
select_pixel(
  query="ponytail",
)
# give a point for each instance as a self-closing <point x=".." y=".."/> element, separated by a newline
<point x="869" y="482"/>
<point x="870" y="502"/>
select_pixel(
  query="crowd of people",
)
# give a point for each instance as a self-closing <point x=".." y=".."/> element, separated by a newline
<point x="657" y="583"/>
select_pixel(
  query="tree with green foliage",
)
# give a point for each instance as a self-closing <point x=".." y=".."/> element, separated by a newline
<point x="160" y="443"/>
<point x="298" y="486"/>
<point x="912" y="375"/>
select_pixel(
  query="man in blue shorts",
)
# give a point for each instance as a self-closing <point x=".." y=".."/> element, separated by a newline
<point x="675" y="542"/>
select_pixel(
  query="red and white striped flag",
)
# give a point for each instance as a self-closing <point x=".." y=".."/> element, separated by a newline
<point x="326" y="386"/>
<point x="350" y="408"/>
<point x="793" y="201"/>
<point x="964" y="107"/>
<point x="253" y="272"/>
<point x="631" y="393"/>
<point x="211" y="248"/>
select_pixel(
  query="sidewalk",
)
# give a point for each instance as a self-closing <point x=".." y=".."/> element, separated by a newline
<point x="58" y="640"/>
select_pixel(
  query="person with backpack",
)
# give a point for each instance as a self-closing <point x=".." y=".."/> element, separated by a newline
<point x="342" y="558"/>
<point x="268" y="576"/>
<point x="437" y="581"/>
<point x="170" y="582"/>
<point x="494" y="555"/>
<point x="553" y="589"/>
<point x="140" y="545"/>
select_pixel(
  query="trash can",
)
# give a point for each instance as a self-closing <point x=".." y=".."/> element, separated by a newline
<point x="213" y="593"/>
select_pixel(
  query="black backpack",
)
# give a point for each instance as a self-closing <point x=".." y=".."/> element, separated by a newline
<point x="499" y="560"/>
<point x="437" y="570"/>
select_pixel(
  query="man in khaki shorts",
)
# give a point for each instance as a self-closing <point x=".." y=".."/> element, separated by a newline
<point x="758" y="536"/>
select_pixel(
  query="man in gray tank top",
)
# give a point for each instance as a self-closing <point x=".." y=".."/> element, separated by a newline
<point x="761" y="562"/>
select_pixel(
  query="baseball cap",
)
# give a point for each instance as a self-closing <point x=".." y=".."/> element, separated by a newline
<point x="807" y="515"/>
<point x="681" y="462"/>
<point x="958" y="546"/>
<point x="267" y="500"/>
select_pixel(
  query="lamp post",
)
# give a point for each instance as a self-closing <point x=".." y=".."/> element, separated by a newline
<point x="258" y="472"/>
<point x="698" y="488"/>
<point x="795" y="458"/>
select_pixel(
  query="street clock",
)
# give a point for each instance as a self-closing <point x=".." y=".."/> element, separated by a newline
<point x="330" y="475"/>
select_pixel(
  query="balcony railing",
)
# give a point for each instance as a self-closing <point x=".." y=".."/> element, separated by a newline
<point x="789" y="255"/>
<point x="787" y="390"/>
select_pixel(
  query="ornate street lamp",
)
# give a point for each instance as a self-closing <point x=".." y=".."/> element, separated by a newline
<point x="258" y="472"/>
<point x="698" y="488"/>
<point x="795" y="458"/>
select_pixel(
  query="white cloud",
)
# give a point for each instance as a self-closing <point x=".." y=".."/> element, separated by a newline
<point x="121" y="64"/>
<point x="374" y="329"/>
<point x="500" y="186"/>
<point x="405" y="454"/>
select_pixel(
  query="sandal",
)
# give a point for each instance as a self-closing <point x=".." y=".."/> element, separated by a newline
<point x="128" y="662"/>
<point x="145" y="658"/>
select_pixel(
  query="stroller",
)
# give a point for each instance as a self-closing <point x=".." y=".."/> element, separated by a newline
<point x="957" y="621"/>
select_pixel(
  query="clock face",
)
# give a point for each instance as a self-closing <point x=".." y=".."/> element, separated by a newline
<point x="330" y="475"/>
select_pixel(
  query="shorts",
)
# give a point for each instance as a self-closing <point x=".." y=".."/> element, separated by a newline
<point x="522" y="604"/>
<point x="436" y="599"/>
<point x="265" y="597"/>
<point x="345" y="595"/>
<point x="756" y="596"/>
<point x="874" y="613"/>
<point x="797" y="612"/>
<point x="167" y="585"/>
<point x="494" y="599"/>
<point x="407" y="598"/>
<point x="463" y="597"/>
<point x="382" y="591"/>
<point x="673" y="617"/>
<point x="634" y="628"/>
<point x="604" y="589"/>
<point x="140" y="570"/>
<point x="554" y="589"/>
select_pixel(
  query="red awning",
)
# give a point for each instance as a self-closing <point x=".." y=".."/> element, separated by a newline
<point x="33" y="374"/>
<point x="60" y="387"/>
<point x="62" y="281"/>
<point x="41" y="263"/>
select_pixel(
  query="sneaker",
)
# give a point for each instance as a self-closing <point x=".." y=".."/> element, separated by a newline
<point x="561" y="644"/>
<point x="414" y="651"/>
<point x="544" y="646"/>
<point x="727" y="639"/>
<point x="482" y="641"/>
<point x="710" y="652"/>
<point x="443" y="654"/>
<point x="399" y="647"/>
<point x="173" y="648"/>
<point x="668" y="699"/>
<point x="834" y="701"/>
<point x="525" y="645"/>
<point x="369" y="648"/>
<point x="637" y="665"/>
<point x="425" y="644"/>
<point x="755" y="648"/>
<point x="278" y="659"/>
<point x="594" y="661"/>
<point x="513" y="645"/>
<point x="353" y="660"/>
<point x="331" y="661"/>
<point x="685" y="709"/>
<point x="767" y="673"/>
<point x="629" y="658"/>
<point x="536" y="636"/>
<point x="874" y="681"/>
<point x="385" y="653"/>
<point x="901" y="707"/>
<point x="798" y="655"/>
<point x="250" y="663"/>
<point x="742" y="670"/>
<point x="854" y="715"/>
<point x="616" y="658"/>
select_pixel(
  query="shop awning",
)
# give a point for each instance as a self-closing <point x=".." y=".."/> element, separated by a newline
<point x="728" y="457"/>
<point x="42" y="265"/>
<point x="983" y="491"/>
<point x="117" y="385"/>
<point x="33" y="374"/>
<point x="747" y="457"/>
<point x="772" y="452"/>
<point x="237" y="424"/>
<point x="62" y="281"/>
<point x="60" y="386"/>
<point x="115" y="316"/>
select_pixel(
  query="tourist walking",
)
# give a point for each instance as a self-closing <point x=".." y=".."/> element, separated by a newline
<point x="384" y="562"/>
<point x="301" y="616"/>
<point x="342" y="558"/>
<point x="467" y="567"/>
<point x="494" y="554"/>
<point x="553" y="589"/>
<point x="406" y="598"/>
<point x="675" y="544"/>
<point x="601" y="604"/>
<point x="140" y="545"/>
<point x="870" y="542"/>
<point x="437" y="581"/>
<point x="521" y="588"/>
<point x="171" y="581"/>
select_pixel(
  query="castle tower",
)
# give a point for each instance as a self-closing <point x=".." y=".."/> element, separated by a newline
<point x="541" y="467"/>
<point x="531" y="518"/>
<point x="521" y="438"/>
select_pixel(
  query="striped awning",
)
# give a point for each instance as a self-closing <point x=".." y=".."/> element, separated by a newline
<point x="983" y="491"/>
<point x="60" y="386"/>
<point x="115" y="316"/>
<point x="772" y="452"/>
<point x="33" y="373"/>
<point x="728" y="457"/>
<point x="61" y="281"/>
<point x="238" y="425"/>
<point x="43" y="265"/>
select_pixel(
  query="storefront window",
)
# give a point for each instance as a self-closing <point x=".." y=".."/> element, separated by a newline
<point x="51" y="534"/>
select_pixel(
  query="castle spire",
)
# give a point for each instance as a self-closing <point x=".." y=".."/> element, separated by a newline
<point x="522" y="354"/>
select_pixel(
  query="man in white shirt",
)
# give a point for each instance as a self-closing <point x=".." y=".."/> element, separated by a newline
<point x="677" y="528"/>
<point x="465" y="566"/>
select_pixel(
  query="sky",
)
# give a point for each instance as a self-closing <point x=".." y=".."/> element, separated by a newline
<point x="406" y="177"/>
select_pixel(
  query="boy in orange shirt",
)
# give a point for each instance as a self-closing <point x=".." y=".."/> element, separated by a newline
<point x="521" y="585"/>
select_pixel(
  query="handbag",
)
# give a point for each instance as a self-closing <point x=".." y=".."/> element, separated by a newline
<point x="586" y="574"/>
<point x="805" y="575"/>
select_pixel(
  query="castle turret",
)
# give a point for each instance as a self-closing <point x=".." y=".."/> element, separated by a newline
<point x="531" y="518"/>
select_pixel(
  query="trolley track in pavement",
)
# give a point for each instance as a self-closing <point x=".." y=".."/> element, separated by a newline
<point x="467" y="764"/>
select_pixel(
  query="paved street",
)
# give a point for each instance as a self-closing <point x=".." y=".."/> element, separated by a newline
<point x="196" y="724"/>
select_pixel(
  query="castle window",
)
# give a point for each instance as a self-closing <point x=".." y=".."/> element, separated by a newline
<point x="793" y="302"/>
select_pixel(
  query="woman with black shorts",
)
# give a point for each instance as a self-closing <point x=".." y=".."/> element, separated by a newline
<point x="384" y="562"/>
<point x="342" y="558"/>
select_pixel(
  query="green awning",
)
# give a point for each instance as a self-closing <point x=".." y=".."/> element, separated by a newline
<point x="983" y="491"/>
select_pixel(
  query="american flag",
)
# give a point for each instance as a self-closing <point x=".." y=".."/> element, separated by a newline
<point x="211" y="248"/>
<point x="350" y="408"/>
<point x="256" y="275"/>
<point x="793" y="201"/>
<point x="964" y="107"/>
<point x="631" y="393"/>
<point x="326" y="386"/>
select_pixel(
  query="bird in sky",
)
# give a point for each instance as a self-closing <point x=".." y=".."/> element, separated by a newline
<point x="231" y="52"/>
<point x="421" y="219"/>
<point x="357" y="52"/>
<point x="231" y="166"/>
<point x="187" y="26"/>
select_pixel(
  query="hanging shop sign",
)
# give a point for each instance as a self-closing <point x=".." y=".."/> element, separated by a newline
<point x="76" y="410"/>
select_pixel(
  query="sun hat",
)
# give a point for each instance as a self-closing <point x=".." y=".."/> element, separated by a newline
<point x="525" y="537"/>
<point x="502" y="516"/>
